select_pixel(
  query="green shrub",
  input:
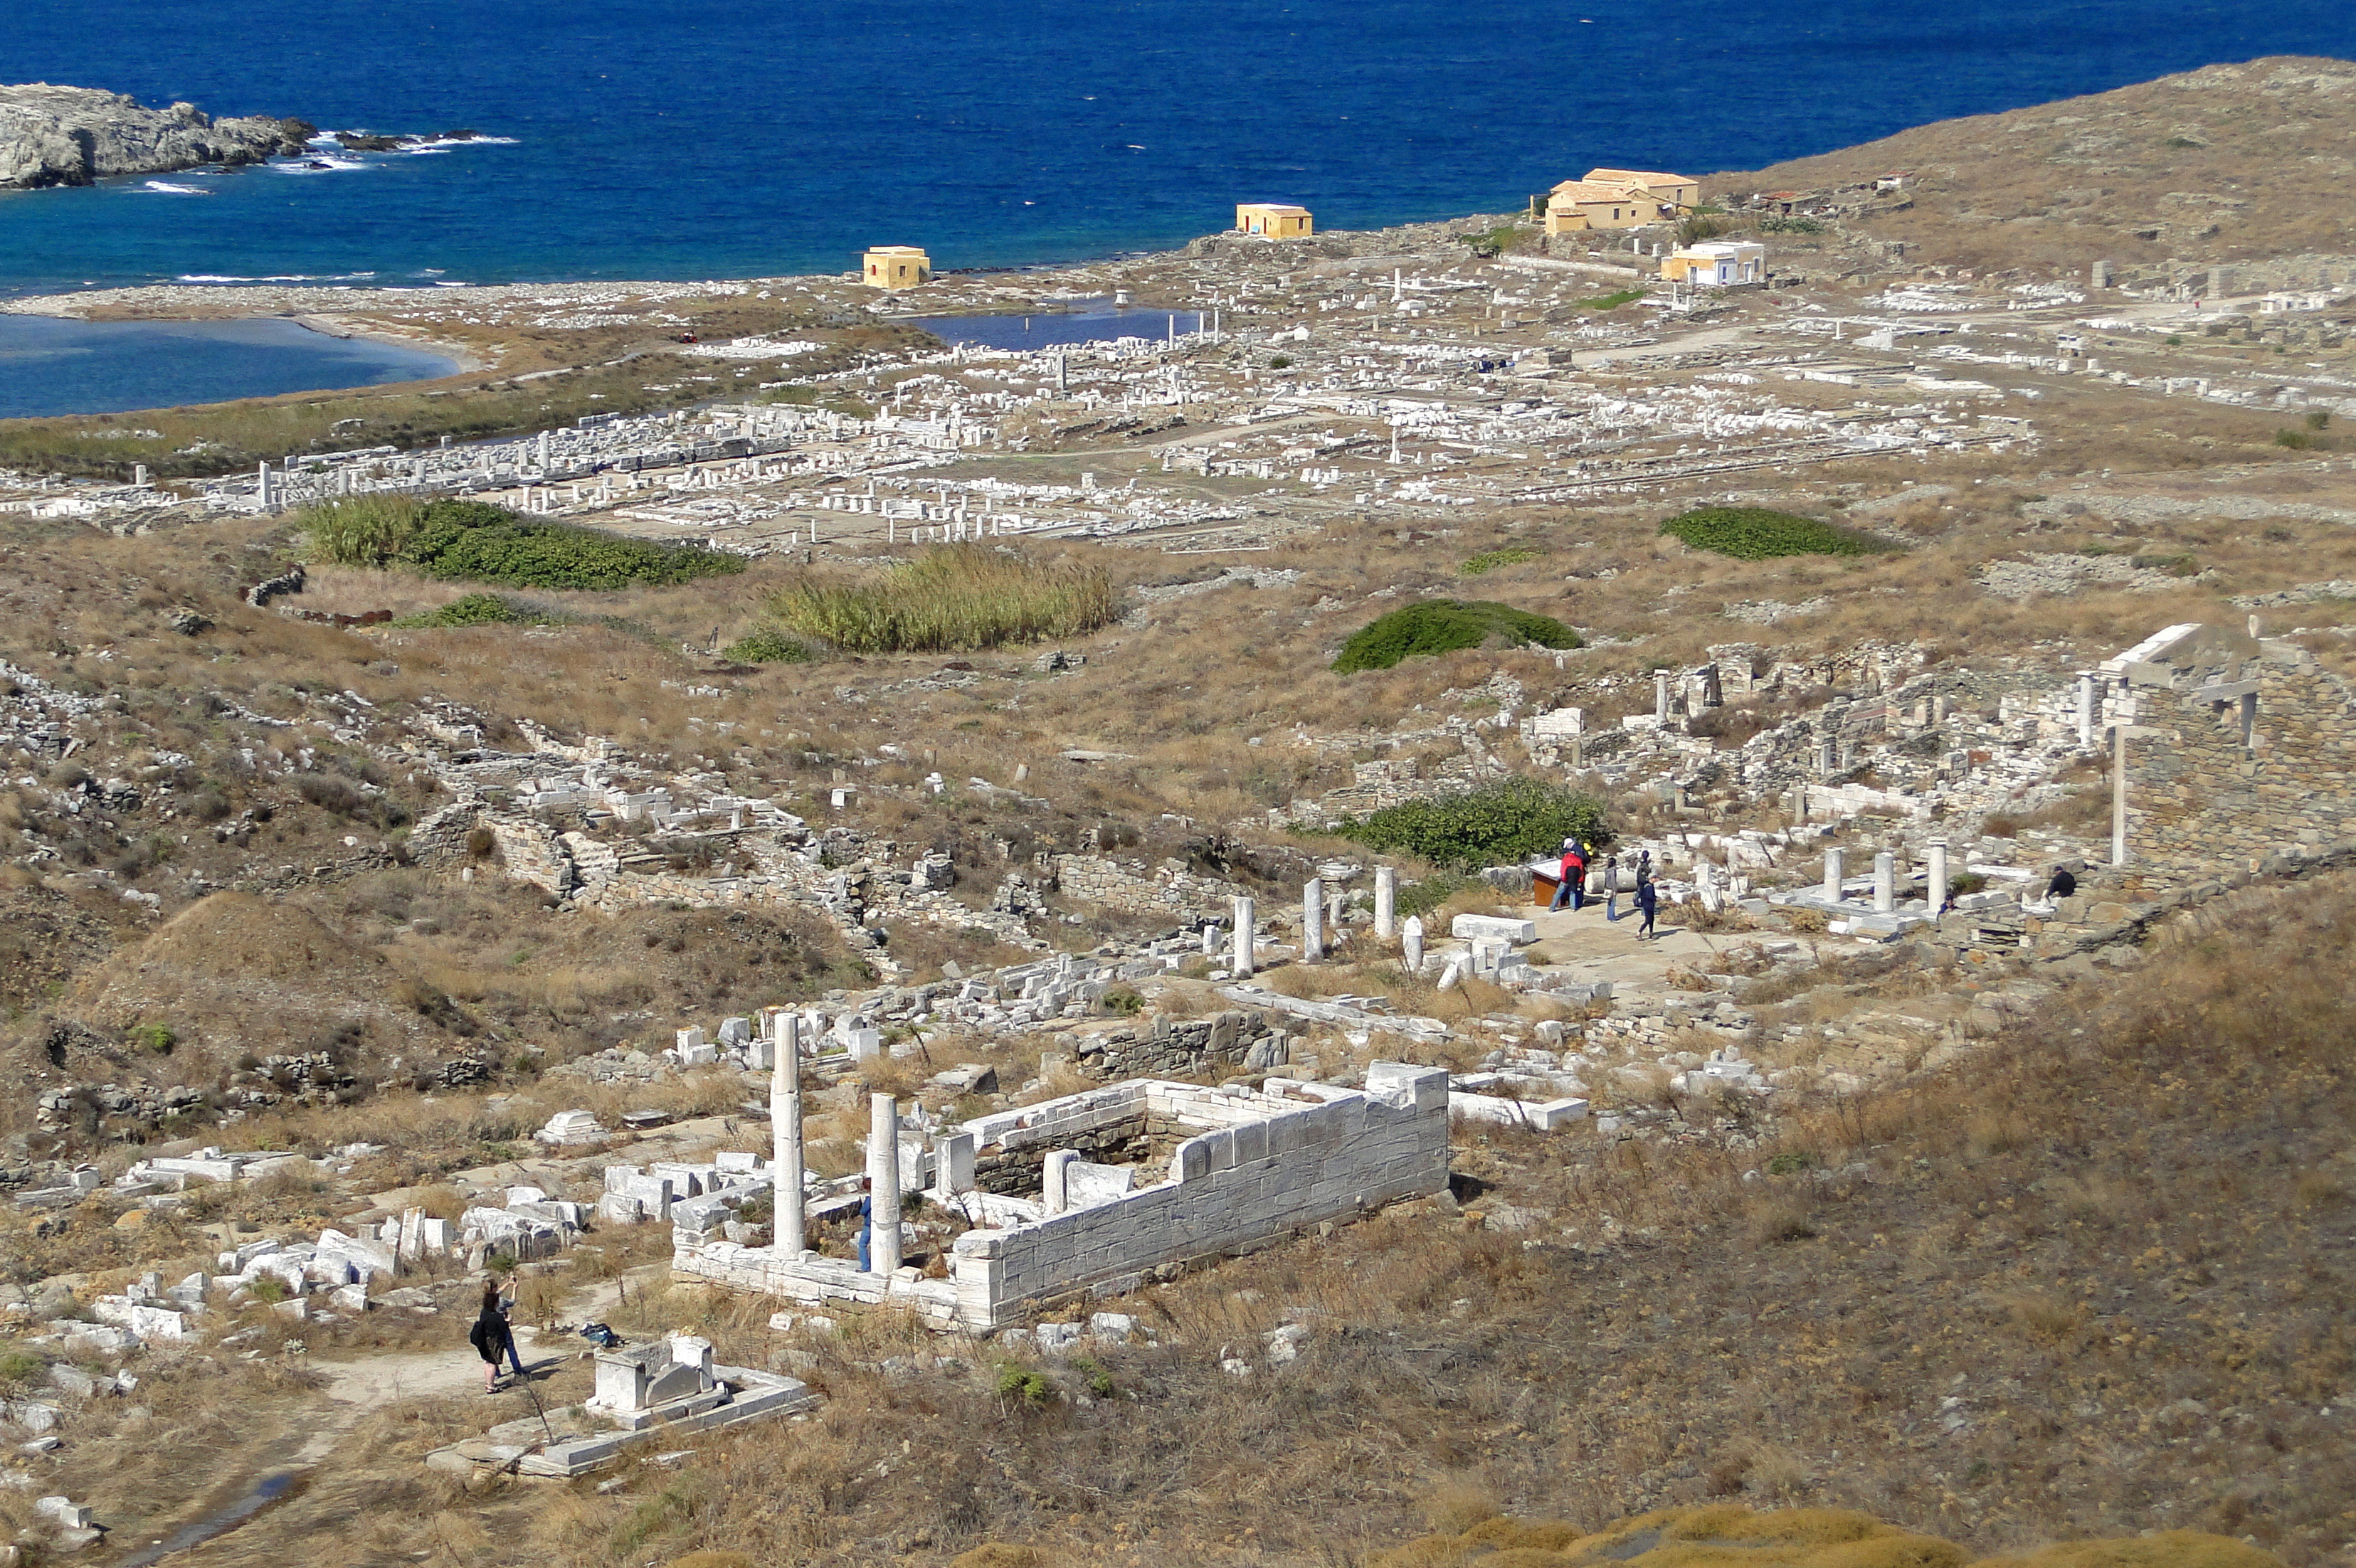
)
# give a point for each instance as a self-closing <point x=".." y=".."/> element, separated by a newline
<point x="954" y="599"/>
<point x="1611" y="302"/>
<point x="475" y="541"/>
<point x="476" y="610"/>
<point x="156" y="1040"/>
<point x="1789" y="225"/>
<point x="1490" y="559"/>
<point x="1423" y="897"/>
<point x="1445" y="626"/>
<point x="1496" y="825"/>
<point x="1493" y="241"/>
<point x="1016" y="1380"/>
<point x="2296" y="440"/>
<point x="766" y="644"/>
<point x="20" y="1366"/>
<point x="1755" y="533"/>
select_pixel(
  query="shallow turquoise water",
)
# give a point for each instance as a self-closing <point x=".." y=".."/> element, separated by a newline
<point x="53" y="366"/>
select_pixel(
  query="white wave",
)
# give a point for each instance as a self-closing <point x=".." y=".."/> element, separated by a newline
<point x="167" y="189"/>
<point x="318" y="165"/>
<point x="275" y="278"/>
<point x="425" y="152"/>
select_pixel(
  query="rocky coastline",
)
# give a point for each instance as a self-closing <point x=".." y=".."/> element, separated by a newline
<point x="77" y="136"/>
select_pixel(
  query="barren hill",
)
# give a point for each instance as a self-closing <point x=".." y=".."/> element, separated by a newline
<point x="73" y="135"/>
<point x="2223" y="163"/>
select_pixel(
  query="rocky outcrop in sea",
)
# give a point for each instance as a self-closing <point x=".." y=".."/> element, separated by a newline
<point x="75" y="136"/>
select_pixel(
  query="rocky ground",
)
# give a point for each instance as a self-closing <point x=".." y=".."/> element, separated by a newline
<point x="76" y="135"/>
<point x="2009" y="1224"/>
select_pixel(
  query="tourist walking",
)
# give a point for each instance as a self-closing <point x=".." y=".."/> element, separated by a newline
<point x="866" y="1220"/>
<point x="493" y="1338"/>
<point x="1648" y="904"/>
<point x="1573" y="888"/>
<point x="1611" y="887"/>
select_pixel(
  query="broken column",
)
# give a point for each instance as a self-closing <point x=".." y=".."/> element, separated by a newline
<point x="2085" y="708"/>
<point x="1661" y="696"/>
<point x="1054" y="1183"/>
<point x="1832" y="873"/>
<point x="1242" y="960"/>
<point x="1385" y="901"/>
<point x="786" y="1132"/>
<point x="1411" y="945"/>
<point x="1936" y="893"/>
<point x="1885" y="883"/>
<point x="883" y="1184"/>
<point x="1312" y="921"/>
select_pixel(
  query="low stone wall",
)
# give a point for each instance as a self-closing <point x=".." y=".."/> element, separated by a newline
<point x="1236" y="1041"/>
<point x="1279" y="1166"/>
<point x="1170" y="890"/>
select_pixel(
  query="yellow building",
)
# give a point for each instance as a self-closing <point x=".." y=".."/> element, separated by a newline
<point x="1274" y="220"/>
<point x="896" y="267"/>
<point x="1618" y="199"/>
<point x="1670" y="190"/>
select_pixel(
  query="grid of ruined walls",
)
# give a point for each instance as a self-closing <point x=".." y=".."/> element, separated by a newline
<point x="1170" y="890"/>
<point x="2198" y="803"/>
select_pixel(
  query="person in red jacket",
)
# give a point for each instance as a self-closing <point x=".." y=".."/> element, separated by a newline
<point x="1574" y="877"/>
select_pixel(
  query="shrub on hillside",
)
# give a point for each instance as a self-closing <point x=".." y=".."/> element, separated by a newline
<point x="955" y="599"/>
<point x="1490" y="559"/>
<point x="475" y="541"/>
<point x="766" y="644"/>
<point x="475" y="610"/>
<point x="1444" y="626"/>
<point x="1496" y="825"/>
<point x="1757" y="533"/>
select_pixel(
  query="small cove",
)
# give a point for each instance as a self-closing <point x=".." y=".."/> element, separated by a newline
<point x="52" y="366"/>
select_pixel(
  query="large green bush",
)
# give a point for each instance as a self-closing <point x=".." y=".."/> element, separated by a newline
<point x="1444" y="626"/>
<point x="955" y="599"/>
<point x="475" y="541"/>
<point x="766" y="644"/>
<point x="1757" y="533"/>
<point x="1496" y="825"/>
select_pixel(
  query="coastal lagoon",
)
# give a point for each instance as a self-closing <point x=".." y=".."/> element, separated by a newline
<point x="49" y="366"/>
<point x="700" y="140"/>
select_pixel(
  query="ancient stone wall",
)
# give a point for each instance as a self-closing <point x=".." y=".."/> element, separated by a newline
<point x="1234" y="1041"/>
<point x="2200" y="804"/>
<point x="1168" y="890"/>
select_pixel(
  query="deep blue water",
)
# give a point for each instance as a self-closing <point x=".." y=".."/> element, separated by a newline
<point x="692" y="138"/>
<point x="51" y="366"/>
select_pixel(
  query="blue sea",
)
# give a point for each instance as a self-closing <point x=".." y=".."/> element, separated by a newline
<point x="694" y="139"/>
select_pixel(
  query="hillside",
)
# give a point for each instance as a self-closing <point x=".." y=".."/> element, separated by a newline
<point x="2229" y="162"/>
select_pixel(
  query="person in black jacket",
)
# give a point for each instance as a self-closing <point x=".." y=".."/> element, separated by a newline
<point x="2062" y="886"/>
<point x="493" y="1338"/>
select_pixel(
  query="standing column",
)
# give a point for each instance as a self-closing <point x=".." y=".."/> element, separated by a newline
<point x="883" y="1181"/>
<point x="1832" y="874"/>
<point x="2085" y="708"/>
<point x="269" y="490"/>
<point x="1885" y="883"/>
<point x="1661" y="696"/>
<point x="1385" y="901"/>
<point x="2119" y="787"/>
<point x="786" y="1134"/>
<point x="1241" y="962"/>
<point x="1312" y="921"/>
<point x="1411" y="945"/>
<point x="1936" y="894"/>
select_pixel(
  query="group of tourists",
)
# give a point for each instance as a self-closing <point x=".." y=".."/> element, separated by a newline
<point x="1635" y="878"/>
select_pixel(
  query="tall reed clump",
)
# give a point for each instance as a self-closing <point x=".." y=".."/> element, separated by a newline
<point x="955" y="599"/>
<point x="361" y="531"/>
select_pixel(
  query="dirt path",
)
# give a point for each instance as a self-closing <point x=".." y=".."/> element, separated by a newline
<point x="355" y="1388"/>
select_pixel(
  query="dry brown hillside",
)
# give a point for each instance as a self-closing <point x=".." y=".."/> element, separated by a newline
<point x="2223" y="163"/>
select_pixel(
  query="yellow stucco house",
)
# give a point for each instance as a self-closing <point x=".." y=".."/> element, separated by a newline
<point x="896" y="267"/>
<point x="1618" y="199"/>
<point x="1274" y="220"/>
